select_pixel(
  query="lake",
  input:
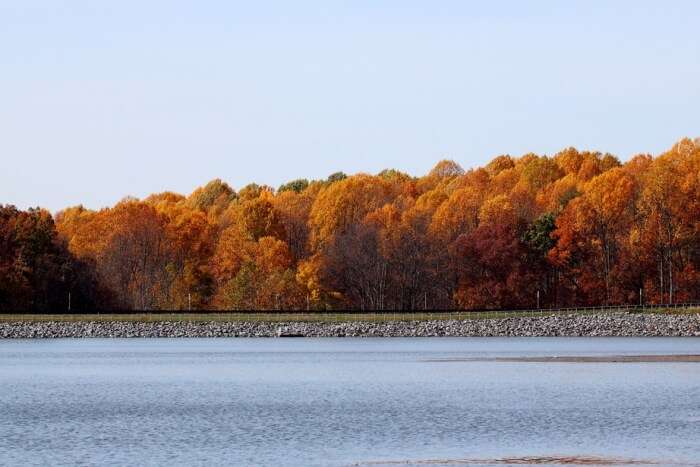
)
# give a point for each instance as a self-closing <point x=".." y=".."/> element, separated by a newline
<point x="337" y="402"/>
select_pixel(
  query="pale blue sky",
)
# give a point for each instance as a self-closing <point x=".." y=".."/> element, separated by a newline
<point x="100" y="99"/>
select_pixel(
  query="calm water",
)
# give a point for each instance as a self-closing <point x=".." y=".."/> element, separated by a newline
<point x="340" y="401"/>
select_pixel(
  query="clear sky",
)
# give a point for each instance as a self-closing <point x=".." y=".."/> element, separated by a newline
<point x="102" y="99"/>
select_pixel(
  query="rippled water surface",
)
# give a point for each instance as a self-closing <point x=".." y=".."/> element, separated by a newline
<point x="342" y="401"/>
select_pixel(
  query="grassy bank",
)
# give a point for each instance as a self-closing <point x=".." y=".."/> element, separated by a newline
<point x="325" y="317"/>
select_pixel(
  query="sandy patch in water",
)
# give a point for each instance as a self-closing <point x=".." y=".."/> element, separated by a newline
<point x="529" y="460"/>
<point x="580" y="359"/>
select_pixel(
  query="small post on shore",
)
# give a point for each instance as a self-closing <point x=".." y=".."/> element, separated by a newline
<point x="189" y="301"/>
<point x="68" y="301"/>
<point x="538" y="299"/>
<point x="640" y="298"/>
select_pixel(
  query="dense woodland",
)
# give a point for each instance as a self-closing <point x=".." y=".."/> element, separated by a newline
<point x="579" y="227"/>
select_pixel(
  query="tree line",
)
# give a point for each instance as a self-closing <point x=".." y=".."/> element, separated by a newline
<point x="578" y="228"/>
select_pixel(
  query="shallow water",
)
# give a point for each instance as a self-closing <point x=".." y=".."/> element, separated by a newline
<point x="343" y="401"/>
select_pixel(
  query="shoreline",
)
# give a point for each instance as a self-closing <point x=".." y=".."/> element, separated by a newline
<point x="618" y="324"/>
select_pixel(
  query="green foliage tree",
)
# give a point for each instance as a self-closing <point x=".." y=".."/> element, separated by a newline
<point x="297" y="186"/>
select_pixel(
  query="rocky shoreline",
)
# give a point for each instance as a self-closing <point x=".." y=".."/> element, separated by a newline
<point x="609" y="324"/>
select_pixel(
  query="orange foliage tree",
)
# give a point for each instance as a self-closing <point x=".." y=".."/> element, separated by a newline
<point x="576" y="228"/>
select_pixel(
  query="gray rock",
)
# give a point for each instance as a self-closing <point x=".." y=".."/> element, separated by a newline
<point x="609" y="324"/>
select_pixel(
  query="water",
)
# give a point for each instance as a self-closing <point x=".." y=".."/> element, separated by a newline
<point x="334" y="402"/>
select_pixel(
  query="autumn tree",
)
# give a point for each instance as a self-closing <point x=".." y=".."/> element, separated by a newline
<point x="446" y="168"/>
<point x="345" y="203"/>
<point x="294" y="210"/>
<point x="37" y="272"/>
<point x="492" y="271"/>
<point x="669" y="201"/>
<point x="265" y="280"/>
<point x="261" y="219"/>
<point x="213" y="198"/>
<point x="580" y="227"/>
<point x="354" y="267"/>
<point x="590" y="231"/>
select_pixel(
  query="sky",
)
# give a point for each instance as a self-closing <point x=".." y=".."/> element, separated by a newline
<point x="100" y="100"/>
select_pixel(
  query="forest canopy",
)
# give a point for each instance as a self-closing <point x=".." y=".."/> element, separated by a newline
<point x="576" y="228"/>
